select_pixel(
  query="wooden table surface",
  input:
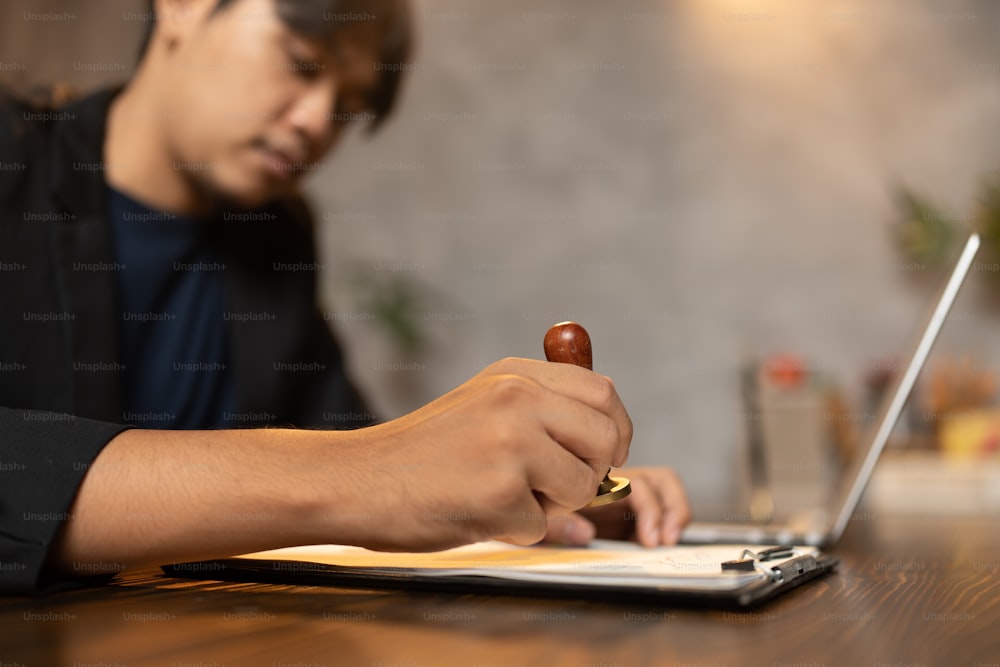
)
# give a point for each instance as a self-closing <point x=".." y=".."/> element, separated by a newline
<point x="909" y="592"/>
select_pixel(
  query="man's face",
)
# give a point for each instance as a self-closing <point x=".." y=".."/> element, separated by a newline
<point x="250" y="105"/>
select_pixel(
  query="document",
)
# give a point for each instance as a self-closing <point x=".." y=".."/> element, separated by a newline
<point x="602" y="563"/>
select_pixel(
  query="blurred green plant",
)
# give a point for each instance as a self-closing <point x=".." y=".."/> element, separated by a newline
<point x="925" y="234"/>
<point x="396" y="300"/>
<point x="988" y="224"/>
<point x="929" y="235"/>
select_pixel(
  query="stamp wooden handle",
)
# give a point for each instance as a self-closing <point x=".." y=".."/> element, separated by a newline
<point x="569" y="343"/>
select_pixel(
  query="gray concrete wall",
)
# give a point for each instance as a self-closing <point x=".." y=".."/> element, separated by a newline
<point x="689" y="179"/>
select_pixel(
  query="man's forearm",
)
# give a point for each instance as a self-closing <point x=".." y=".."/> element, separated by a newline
<point x="155" y="497"/>
<point x="489" y="460"/>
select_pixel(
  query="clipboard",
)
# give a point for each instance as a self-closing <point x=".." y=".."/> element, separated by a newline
<point x="711" y="575"/>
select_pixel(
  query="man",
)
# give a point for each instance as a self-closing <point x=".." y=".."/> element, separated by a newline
<point x="122" y="383"/>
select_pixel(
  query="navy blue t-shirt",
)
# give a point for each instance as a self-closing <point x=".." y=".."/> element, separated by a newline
<point x="172" y="332"/>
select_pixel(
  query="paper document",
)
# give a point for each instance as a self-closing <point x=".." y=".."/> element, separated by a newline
<point x="610" y="563"/>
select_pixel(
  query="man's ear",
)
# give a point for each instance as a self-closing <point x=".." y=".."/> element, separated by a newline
<point x="177" y="20"/>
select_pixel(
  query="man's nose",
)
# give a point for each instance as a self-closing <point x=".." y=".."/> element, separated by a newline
<point x="312" y="115"/>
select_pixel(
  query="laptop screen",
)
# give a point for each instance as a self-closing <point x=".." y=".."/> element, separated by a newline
<point x="859" y="471"/>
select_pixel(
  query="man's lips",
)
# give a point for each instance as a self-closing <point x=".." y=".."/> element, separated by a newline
<point x="281" y="162"/>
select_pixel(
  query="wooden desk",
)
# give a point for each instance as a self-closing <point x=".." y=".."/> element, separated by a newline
<point x="908" y="592"/>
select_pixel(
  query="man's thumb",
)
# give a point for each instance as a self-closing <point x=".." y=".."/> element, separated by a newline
<point x="569" y="529"/>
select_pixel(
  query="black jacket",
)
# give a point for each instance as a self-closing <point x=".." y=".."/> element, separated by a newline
<point x="60" y="385"/>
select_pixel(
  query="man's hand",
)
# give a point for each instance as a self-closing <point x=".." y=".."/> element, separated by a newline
<point x="495" y="458"/>
<point x="653" y="514"/>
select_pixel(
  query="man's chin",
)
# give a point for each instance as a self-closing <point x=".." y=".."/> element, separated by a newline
<point x="257" y="194"/>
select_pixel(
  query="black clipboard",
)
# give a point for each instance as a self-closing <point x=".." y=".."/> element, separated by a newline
<point x="747" y="577"/>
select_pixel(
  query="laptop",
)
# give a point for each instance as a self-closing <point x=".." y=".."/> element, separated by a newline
<point x="822" y="526"/>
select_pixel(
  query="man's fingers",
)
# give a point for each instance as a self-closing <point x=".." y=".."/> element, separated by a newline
<point x="616" y="410"/>
<point x="678" y="510"/>
<point x="523" y="523"/>
<point x="648" y="509"/>
<point x="570" y="529"/>
<point x="579" y="384"/>
<point x="563" y="465"/>
<point x="564" y="445"/>
<point x="660" y="505"/>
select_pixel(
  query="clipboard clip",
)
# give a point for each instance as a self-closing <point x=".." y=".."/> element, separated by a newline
<point x="750" y="561"/>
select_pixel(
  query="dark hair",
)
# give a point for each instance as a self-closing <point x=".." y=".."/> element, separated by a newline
<point x="323" y="19"/>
